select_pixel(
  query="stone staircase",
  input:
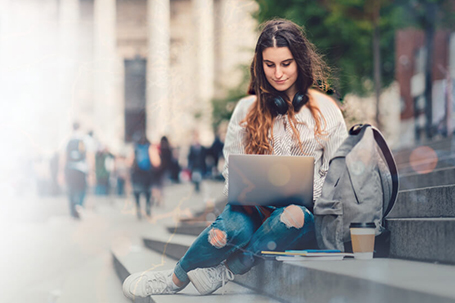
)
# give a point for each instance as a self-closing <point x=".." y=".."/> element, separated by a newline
<point x="422" y="222"/>
<point x="378" y="280"/>
<point x="422" y="250"/>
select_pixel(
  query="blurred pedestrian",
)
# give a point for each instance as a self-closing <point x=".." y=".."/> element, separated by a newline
<point x="121" y="172"/>
<point x="196" y="162"/>
<point x="76" y="165"/>
<point x="92" y="145"/>
<point x="216" y="152"/>
<point x="175" y="169"/>
<point x="103" y="167"/>
<point x="145" y="162"/>
<point x="165" y="152"/>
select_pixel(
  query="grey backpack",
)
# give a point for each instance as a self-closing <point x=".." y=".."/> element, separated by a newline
<point x="361" y="186"/>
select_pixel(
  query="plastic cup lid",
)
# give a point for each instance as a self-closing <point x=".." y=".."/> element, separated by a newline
<point x="362" y="225"/>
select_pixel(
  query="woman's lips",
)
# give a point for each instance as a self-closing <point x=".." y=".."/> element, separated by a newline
<point x="280" y="81"/>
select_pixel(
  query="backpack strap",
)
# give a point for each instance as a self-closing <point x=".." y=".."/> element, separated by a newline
<point x="357" y="129"/>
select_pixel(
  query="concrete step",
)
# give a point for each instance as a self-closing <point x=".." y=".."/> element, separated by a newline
<point x="209" y="211"/>
<point x="422" y="154"/>
<point x="443" y="176"/>
<point x="377" y="280"/>
<point x="429" y="202"/>
<point x="427" y="165"/>
<point x="402" y="155"/>
<point x="192" y="229"/>
<point x="423" y="239"/>
<point x="141" y="259"/>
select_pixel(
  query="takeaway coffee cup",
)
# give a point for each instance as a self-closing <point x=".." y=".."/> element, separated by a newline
<point x="362" y="238"/>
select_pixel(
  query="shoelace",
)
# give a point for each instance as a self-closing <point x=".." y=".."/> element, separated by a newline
<point x="225" y="275"/>
<point x="157" y="284"/>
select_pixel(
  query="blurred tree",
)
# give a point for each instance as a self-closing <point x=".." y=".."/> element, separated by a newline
<point x="428" y="15"/>
<point x="222" y="108"/>
<point x="367" y="14"/>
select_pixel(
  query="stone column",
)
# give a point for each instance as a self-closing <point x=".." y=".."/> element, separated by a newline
<point x="205" y="60"/>
<point x="6" y="14"/>
<point x="236" y="40"/>
<point x="228" y="23"/>
<point x="68" y="43"/>
<point x="158" y="66"/>
<point x="108" y="108"/>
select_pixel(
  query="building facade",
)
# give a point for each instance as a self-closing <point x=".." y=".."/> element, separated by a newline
<point x="121" y="66"/>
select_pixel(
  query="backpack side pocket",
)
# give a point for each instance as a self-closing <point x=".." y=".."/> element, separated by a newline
<point x="328" y="219"/>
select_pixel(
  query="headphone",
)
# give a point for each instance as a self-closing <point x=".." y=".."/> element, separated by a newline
<point x="280" y="106"/>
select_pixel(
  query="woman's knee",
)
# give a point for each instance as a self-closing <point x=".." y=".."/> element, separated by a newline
<point x="293" y="216"/>
<point x="217" y="237"/>
<point x="230" y="228"/>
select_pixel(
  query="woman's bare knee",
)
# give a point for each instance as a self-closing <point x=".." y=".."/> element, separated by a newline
<point x="293" y="216"/>
<point x="217" y="238"/>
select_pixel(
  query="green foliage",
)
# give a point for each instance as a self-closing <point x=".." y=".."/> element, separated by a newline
<point x="415" y="13"/>
<point x="222" y="108"/>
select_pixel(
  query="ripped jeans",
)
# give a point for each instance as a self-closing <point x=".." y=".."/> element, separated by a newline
<point x="238" y="236"/>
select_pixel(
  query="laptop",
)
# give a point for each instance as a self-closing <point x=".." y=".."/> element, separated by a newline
<point x="269" y="180"/>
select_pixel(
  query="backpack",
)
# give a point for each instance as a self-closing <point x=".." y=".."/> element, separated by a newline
<point x="142" y="157"/>
<point x="75" y="151"/>
<point x="361" y="186"/>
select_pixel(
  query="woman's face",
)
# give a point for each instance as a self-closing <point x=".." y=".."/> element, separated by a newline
<point x="280" y="69"/>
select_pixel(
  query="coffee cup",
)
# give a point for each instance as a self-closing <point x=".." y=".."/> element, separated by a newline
<point x="362" y="238"/>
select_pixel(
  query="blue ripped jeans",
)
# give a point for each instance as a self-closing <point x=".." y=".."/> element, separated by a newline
<point x="239" y="235"/>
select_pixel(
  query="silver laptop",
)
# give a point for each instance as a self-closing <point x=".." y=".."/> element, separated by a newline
<point x="270" y="180"/>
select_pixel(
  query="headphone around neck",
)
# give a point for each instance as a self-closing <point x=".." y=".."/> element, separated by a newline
<point x="280" y="106"/>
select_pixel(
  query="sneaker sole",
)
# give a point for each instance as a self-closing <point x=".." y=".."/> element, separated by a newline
<point x="125" y="287"/>
<point x="138" y="299"/>
<point x="133" y="298"/>
<point x="199" y="284"/>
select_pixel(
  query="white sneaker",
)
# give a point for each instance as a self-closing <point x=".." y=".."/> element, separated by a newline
<point x="207" y="280"/>
<point x="144" y="284"/>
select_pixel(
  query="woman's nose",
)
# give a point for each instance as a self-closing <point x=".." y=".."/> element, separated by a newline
<point x="278" y="73"/>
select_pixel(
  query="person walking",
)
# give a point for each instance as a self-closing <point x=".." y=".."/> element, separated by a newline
<point x="77" y="163"/>
<point x="103" y="166"/>
<point x="286" y="114"/>
<point x="121" y="172"/>
<point x="165" y="152"/>
<point x="144" y="164"/>
<point x="216" y="152"/>
<point x="196" y="162"/>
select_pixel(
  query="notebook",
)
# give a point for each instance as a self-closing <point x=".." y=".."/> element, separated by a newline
<point x="268" y="180"/>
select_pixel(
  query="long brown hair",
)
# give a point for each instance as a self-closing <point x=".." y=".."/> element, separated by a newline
<point x="312" y="72"/>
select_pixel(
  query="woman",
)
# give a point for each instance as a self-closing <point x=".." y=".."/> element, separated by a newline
<point x="303" y="122"/>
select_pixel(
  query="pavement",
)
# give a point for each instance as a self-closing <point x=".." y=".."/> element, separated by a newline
<point x="47" y="256"/>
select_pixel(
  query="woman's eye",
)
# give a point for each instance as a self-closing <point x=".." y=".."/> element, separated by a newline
<point x="286" y="64"/>
<point x="269" y="65"/>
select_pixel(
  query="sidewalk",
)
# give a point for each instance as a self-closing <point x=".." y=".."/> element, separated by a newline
<point x="49" y="257"/>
